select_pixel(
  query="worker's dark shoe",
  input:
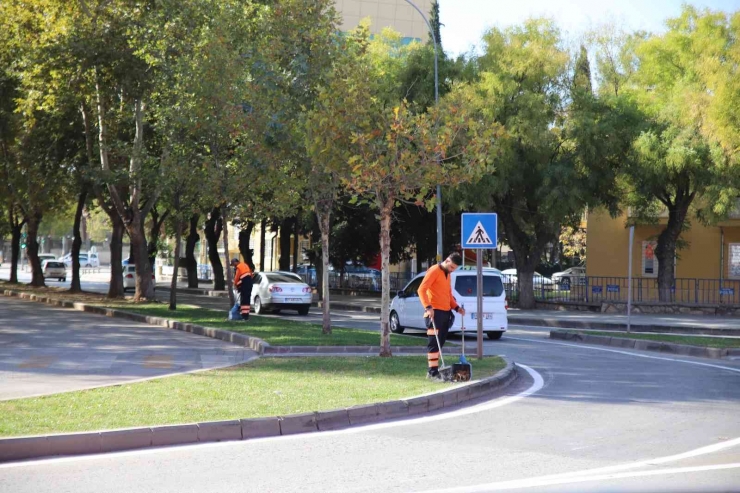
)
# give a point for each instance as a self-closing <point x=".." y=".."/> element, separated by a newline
<point x="434" y="376"/>
<point x="245" y="317"/>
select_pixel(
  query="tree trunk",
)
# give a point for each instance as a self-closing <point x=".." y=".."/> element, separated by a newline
<point x="324" y="216"/>
<point x="173" y="283"/>
<point x="144" y="284"/>
<point x="286" y="228"/>
<point x="296" y="243"/>
<point x="32" y="249"/>
<point x="191" y="264"/>
<point x="386" y="209"/>
<point x="154" y="234"/>
<point x="263" y="225"/>
<point x="244" y="235"/>
<point x="15" y="249"/>
<point x="418" y="259"/>
<point x="229" y="278"/>
<point x="665" y="251"/>
<point x="85" y="238"/>
<point x="115" y="288"/>
<point x="525" y="280"/>
<point x="214" y="225"/>
<point x="77" y="243"/>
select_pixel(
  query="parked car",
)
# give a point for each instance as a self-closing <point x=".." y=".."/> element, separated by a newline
<point x="511" y="278"/>
<point x="573" y="275"/>
<point x="129" y="277"/>
<point x="307" y="273"/>
<point x="274" y="291"/>
<point x="54" y="269"/>
<point x="407" y="312"/>
<point x="86" y="260"/>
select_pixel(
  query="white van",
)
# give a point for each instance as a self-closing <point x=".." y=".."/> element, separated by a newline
<point x="407" y="312"/>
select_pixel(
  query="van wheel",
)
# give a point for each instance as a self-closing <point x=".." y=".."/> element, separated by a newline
<point x="494" y="335"/>
<point x="396" y="324"/>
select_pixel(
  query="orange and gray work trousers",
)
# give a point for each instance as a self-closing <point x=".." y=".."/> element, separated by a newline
<point x="443" y="321"/>
<point x="245" y="295"/>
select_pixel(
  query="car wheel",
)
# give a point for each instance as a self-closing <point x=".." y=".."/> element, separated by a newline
<point x="494" y="335"/>
<point x="303" y="310"/>
<point x="258" y="308"/>
<point x="396" y="324"/>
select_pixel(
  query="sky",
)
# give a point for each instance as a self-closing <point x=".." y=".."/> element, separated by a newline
<point x="464" y="21"/>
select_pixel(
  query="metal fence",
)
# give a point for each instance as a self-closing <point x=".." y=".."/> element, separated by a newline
<point x="595" y="289"/>
<point x="359" y="281"/>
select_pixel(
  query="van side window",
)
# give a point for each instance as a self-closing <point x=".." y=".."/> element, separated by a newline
<point x="468" y="286"/>
<point x="413" y="287"/>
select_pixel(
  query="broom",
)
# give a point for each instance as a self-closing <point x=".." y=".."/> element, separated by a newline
<point x="462" y="371"/>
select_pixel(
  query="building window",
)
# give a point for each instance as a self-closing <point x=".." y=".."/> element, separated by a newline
<point x="733" y="261"/>
<point x="649" y="262"/>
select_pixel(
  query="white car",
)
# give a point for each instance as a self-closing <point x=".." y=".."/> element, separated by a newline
<point x="129" y="277"/>
<point x="407" y="312"/>
<point x="510" y="277"/>
<point x="573" y="275"/>
<point x="86" y="260"/>
<point x="54" y="269"/>
<point x="274" y="291"/>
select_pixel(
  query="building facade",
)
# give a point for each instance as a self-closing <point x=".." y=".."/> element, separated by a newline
<point x="707" y="268"/>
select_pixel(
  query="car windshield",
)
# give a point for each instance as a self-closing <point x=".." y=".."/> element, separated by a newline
<point x="468" y="286"/>
<point x="284" y="278"/>
<point x="54" y="265"/>
<point x="130" y="268"/>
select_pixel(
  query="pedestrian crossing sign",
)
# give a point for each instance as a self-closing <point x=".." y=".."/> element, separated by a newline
<point x="479" y="230"/>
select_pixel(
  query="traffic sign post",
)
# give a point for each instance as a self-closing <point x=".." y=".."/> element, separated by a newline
<point x="479" y="231"/>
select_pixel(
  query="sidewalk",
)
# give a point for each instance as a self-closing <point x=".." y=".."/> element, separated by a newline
<point x="674" y="323"/>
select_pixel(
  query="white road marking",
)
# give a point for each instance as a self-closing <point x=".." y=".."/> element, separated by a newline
<point x="637" y="355"/>
<point x="547" y="481"/>
<point x="536" y="386"/>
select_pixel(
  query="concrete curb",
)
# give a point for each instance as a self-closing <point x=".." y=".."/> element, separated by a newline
<point x="646" y="345"/>
<point x="253" y="343"/>
<point x="34" y="447"/>
<point x="589" y="325"/>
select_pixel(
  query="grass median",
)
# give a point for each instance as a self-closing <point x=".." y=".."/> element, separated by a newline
<point x="264" y="387"/>
<point x="275" y="331"/>
<point x="713" y="342"/>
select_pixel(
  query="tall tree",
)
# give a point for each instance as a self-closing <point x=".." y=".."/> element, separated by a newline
<point x="378" y="147"/>
<point x="682" y="159"/>
<point x="558" y="150"/>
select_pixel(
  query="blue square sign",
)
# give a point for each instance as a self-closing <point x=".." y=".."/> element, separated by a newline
<point x="479" y="230"/>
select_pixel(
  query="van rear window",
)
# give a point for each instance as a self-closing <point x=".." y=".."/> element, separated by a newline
<point x="467" y="286"/>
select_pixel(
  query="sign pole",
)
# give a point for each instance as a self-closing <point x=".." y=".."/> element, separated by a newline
<point x="629" y="281"/>
<point x="479" y="301"/>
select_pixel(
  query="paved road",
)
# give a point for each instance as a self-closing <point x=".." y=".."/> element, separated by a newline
<point x="584" y="419"/>
<point x="47" y="350"/>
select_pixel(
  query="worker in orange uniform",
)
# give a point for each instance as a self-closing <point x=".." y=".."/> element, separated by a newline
<point x="243" y="283"/>
<point x="435" y="294"/>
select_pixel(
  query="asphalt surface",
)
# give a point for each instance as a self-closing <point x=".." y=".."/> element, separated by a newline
<point x="581" y="418"/>
<point x="45" y="350"/>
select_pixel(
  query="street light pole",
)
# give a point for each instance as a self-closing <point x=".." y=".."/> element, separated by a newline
<point x="436" y="101"/>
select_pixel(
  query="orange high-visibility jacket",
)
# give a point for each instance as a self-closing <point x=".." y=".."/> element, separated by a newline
<point x="242" y="270"/>
<point x="436" y="290"/>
